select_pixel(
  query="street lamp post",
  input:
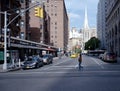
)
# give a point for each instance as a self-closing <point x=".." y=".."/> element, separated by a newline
<point x="5" y="41"/>
<point x="5" y="32"/>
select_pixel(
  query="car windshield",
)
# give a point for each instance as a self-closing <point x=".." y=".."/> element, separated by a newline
<point x="31" y="59"/>
<point x="111" y="54"/>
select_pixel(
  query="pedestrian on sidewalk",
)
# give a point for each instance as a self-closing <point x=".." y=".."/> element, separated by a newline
<point x="79" y="60"/>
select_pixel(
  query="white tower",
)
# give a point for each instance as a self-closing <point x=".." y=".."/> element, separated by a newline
<point x="86" y="29"/>
<point x="86" y="19"/>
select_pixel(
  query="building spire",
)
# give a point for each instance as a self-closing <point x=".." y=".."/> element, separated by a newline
<point x="86" y="19"/>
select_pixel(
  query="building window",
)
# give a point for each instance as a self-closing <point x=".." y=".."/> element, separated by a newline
<point x="22" y="23"/>
<point x="56" y="42"/>
<point x="47" y="1"/>
<point x="55" y="32"/>
<point x="51" y="14"/>
<point x="115" y="30"/>
<point x="55" y="14"/>
<point x="51" y="36"/>
<point x="22" y="1"/>
<point x="55" y="27"/>
<point x="51" y="5"/>
<point x="55" y="6"/>
<point x="55" y="23"/>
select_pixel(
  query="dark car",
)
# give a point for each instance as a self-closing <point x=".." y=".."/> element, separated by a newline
<point x="33" y="62"/>
<point x="47" y="59"/>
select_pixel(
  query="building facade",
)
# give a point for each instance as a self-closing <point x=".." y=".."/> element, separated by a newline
<point x="20" y="26"/>
<point x="22" y="39"/>
<point x="113" y="26"/>
<point x="75" y="39"/>
<point x="39" y="27"/>
<point x="101" y="23"/>
<point x="58" y="23"/>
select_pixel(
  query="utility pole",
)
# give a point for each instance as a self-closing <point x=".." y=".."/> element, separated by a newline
<point x="5" y="41"/>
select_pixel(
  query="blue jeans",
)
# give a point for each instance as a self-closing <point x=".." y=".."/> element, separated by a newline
<point x="79" y="65"/>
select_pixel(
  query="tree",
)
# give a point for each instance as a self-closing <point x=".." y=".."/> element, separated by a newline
<point x="76" y="49"/>
<point x="92" y="44"/>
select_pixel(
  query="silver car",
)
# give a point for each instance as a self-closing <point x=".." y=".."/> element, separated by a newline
<point x="109" y="57"/>
<point x="47" y="59"/>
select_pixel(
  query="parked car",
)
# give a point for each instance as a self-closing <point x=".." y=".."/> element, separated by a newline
<point x="33" y="62"/>
<point x="109" y="57"/>
<point x="47" y="58"/>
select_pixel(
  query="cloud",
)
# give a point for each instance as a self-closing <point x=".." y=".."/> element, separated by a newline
<point x="74" y="5"/>
<point x="74" y="15"/>
<point x="76" y="10"/>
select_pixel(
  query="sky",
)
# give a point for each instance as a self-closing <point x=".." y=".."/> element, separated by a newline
<point x="76" y="10"/>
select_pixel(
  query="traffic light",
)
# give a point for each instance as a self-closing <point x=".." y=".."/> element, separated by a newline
<point x="37" y="11"/>
<point x="41" y="12"/>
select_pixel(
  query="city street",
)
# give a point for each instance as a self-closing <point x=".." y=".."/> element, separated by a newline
<point x="63" y="75"/>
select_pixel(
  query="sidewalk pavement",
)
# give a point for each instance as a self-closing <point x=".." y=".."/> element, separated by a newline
<point x="10" y="67"/>
<point x="15" y="67"/>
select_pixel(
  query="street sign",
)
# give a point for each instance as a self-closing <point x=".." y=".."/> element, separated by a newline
<point x="1" y="55"/>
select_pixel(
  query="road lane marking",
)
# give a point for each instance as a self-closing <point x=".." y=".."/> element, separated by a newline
<point x="76" y="66"/>
<point x="70" y="66"/>
<point x="97" y="63"/>
<point x="61" y="72"/>
<point x="55" y="64"/>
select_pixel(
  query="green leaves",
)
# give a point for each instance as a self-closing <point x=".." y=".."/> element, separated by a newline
<point x="92" y="44"/>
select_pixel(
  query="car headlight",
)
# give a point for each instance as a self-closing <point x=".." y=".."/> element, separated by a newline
<point x="44" y="60"/>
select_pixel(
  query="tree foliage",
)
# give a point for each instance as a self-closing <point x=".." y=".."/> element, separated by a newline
<point x="76" y="49"/>
<point x="92" y="44"/>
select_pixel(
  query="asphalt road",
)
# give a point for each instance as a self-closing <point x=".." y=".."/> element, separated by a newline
<point x="63" y="75"/>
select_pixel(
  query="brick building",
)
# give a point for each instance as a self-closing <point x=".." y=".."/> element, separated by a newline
<point x="58" y="23"/>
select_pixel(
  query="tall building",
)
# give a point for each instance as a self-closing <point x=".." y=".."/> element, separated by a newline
<point x="113" y="26"/>
<point x="58" y="23"/>
<point x="101" y="23"/>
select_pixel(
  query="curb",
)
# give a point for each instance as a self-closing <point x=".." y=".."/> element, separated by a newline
<point x="14" y="69"/>
<point x="9" y="70"/>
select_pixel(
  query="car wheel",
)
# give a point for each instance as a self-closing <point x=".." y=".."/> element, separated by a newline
<point x="51" y="62"/>
<point x="37" y="66"/>
<point x="23" y="68"/>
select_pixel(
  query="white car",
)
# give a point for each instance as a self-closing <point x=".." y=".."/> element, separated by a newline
<point x="110" y="57"/>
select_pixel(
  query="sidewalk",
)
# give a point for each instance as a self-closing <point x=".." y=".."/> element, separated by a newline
<point x="9" y="68"/>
